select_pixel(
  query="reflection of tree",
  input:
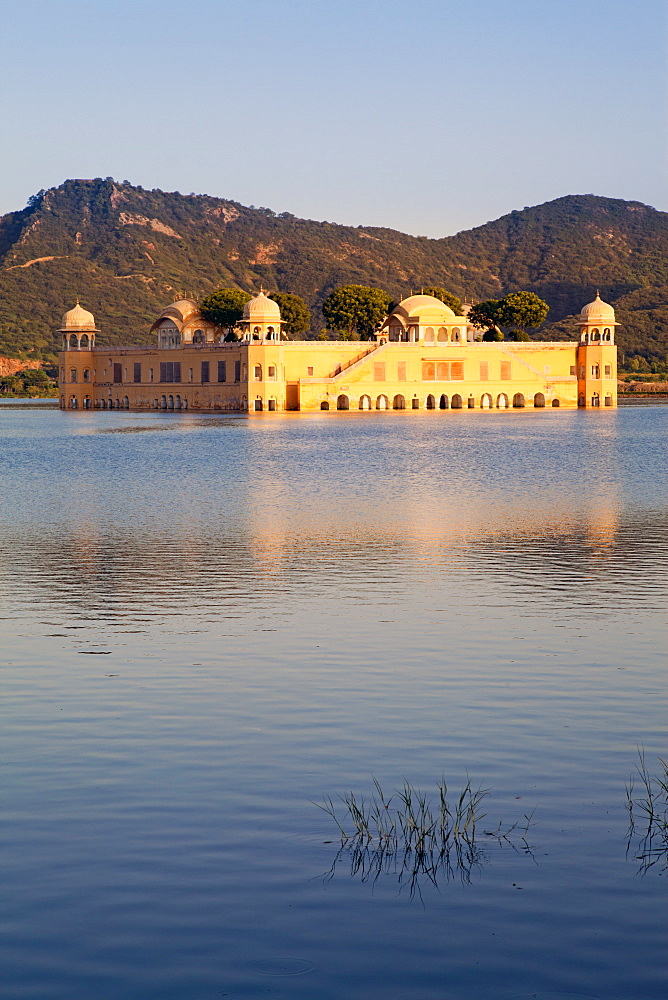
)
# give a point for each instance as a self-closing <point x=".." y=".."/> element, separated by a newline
<point x="418" y="840"/>
<point x="647" y="804"/>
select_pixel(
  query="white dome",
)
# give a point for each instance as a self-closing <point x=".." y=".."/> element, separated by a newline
<point x="416" y="305"/>
<point x="262" y="309"/>
<point x="597" y="311"/>
<point x="78" y="319"/>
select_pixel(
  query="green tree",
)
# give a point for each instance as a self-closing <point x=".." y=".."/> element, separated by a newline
<point x="224" y="307"/>
<point x="487" y="316"/>
<point x="295" y="314"/>
<point x="450" y="300"/>
<point x="520" y="310"/>
<point x="356" y="309"/>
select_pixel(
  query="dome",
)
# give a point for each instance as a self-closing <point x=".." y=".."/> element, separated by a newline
<point x="262" y="309"/>
<point x="420" y="305"/>
<point x="78" y="319"/>
<point x="178" y="312"/>
<point x="597" y="311"/>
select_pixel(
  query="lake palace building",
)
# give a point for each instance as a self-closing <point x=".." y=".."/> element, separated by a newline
<point x="424" y="357"/>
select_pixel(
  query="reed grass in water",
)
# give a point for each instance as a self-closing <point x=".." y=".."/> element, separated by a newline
<point x="647" y="806"/>
<point x="409" y="820"/>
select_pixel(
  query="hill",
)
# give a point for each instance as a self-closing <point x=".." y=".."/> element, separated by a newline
<point x="127" y="252"/>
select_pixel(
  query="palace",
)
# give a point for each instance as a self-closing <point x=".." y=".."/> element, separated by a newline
<point x="423" y="357"/>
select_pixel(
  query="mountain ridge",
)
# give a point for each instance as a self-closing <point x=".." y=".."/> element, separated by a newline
<point x="126" y="251"/>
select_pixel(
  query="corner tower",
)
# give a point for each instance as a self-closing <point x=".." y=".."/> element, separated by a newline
<point x="76" y="379"/>
<point x="261" y="320"/>
<point x="597" y="355"/>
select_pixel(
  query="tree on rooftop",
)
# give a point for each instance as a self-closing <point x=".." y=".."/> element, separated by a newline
<point x="356" y="310"/>
<point x="224" y="307"/>
<point x="486" y="316"/>
<point x="295" y="314"/>
<point x="520" y="310"/>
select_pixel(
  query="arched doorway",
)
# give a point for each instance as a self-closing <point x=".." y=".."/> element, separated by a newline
<point x="539" y="400"/>
<point x="342" y="403"/>
<point x="431" y="402"/>
<point x="381" y="403"/>
<point x="502" y="401"/>
<point x="456" y="402"/>
<point x="444" y="402"/>
<point x="399" y="403"/>
<point x="555" y="402"/>
<point x="177" y="403"/>
<point x="518" y="401"/>
<point x="324" y="405"/>
<point x="485" y="401"/>
<point x="365" y="402"/>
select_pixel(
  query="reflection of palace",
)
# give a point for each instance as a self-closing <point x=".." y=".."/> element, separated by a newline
<point x="423" y="357"/>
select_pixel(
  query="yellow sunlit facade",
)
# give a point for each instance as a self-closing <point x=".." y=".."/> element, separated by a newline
<point x="423" y="357"/>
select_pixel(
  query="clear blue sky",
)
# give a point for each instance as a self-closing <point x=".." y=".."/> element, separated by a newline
<point x="429" y="116"/>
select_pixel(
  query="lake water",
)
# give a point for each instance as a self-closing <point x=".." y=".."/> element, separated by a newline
<point x="210" y="621"/>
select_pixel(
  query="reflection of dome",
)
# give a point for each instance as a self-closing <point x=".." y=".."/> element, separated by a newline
<point x="78" y="319"/>
<point x="597" y="311"/>
<point x="261" y="309"/>
<point x="423" y="305"/>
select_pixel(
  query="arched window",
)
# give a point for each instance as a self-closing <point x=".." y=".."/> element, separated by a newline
<point x="456" y="402"/>
<point x="555" y="403"/>
<point x="486" y="401"/>
<point x="73" y="374"/>
<point x="518" y="401"/>
<point x="342" y="403"/>
<point x="324" y="405"/>
<point x="431" y="402"/>
<point x="381" y="403"/>
<point x="257" y="373"/>
<point x="177" y="403"/>
<point x="399" y="403"/>
<point x="539" y="400"/>
<point x="455" y="334"/>
<point x="244" y="372"/>
<point x="581" y="400"/>
<point x="74" y="342"/>
<point x="442" y="335"/>
<point x="606" y="334"/>
<point x="86" y="403"/>
<point x="608" y="400"/>
<point x="444" y="403"/>
<point x="585" y="337"/>
<point x="270" y="333"/>
<point x="83" y="343"/>
<point x="199" y="337"/>
<point x="365" y="402"/>
<point x="163" y="402"/>
<point x="126" y="403"/>
<point x="170" y="403"/>
<point x="429" y="335"/>
<point x="595" y="335"/>
<point x="86" y="375"/>
<point x="595" y="371"/>
<point x="502" y="401"/>
<point x="596" y="400"/>
<point x="74" y="403"/>
<point x="271" y="403"/>
<point x="413" y="334"/>
<point x="258" y="404"/>
<point x="395" y="334"/>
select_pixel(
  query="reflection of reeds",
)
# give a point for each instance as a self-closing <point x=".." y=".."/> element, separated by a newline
<point x="647" y="805"/>
<point x="417" y="837"/>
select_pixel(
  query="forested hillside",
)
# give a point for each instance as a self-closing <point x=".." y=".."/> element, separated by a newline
<point x="126" y="252"/>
